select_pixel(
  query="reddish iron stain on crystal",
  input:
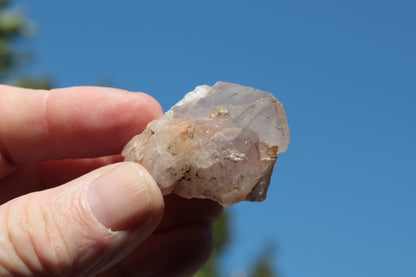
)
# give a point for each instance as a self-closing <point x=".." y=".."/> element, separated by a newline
<point x="218" y="142"/>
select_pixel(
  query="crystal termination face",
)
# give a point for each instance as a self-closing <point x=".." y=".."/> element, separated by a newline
<point x="218" y="142"/>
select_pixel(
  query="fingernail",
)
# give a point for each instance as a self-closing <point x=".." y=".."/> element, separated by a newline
<point x="121" y="198"/>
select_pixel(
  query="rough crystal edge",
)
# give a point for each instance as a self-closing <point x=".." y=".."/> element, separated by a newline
<point x="259" y="191"/>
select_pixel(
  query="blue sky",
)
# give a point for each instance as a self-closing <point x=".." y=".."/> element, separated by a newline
<point x="341" y="202"/>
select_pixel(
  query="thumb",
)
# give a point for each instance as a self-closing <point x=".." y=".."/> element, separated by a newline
<point x="82" y="227"/>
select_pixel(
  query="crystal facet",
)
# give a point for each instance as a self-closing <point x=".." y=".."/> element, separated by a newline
<point x="218" y="142"/>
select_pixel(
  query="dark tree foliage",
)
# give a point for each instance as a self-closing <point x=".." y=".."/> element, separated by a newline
<point x="13" y="29"/>
<point x="263" y="265"/>
<point x="221" y="241"/>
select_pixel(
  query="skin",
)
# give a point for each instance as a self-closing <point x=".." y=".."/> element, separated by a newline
<point x="54" y="147"/>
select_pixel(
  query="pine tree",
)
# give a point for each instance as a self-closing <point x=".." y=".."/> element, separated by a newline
<point x="221" y="241"/>
<point x="263" y="266"/>
<point x="14" y="28"/>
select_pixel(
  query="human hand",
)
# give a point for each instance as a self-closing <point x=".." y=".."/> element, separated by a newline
<point x="70" y="207"/>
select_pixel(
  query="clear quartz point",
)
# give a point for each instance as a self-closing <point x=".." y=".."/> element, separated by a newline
<point x="218" y="142"/>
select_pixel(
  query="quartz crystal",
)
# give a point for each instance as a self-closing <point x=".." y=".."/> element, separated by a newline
<point x="218" y="142"/>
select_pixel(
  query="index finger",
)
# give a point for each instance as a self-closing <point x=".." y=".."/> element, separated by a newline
<point x="77" y="122"/>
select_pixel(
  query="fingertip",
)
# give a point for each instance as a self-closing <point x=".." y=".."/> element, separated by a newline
<point x="85" y="225"/>
<point x="155" y="110"/>
<point x="75" y="122"/>
<point x="125" y="197"/>
<point x="157" y="204"/>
